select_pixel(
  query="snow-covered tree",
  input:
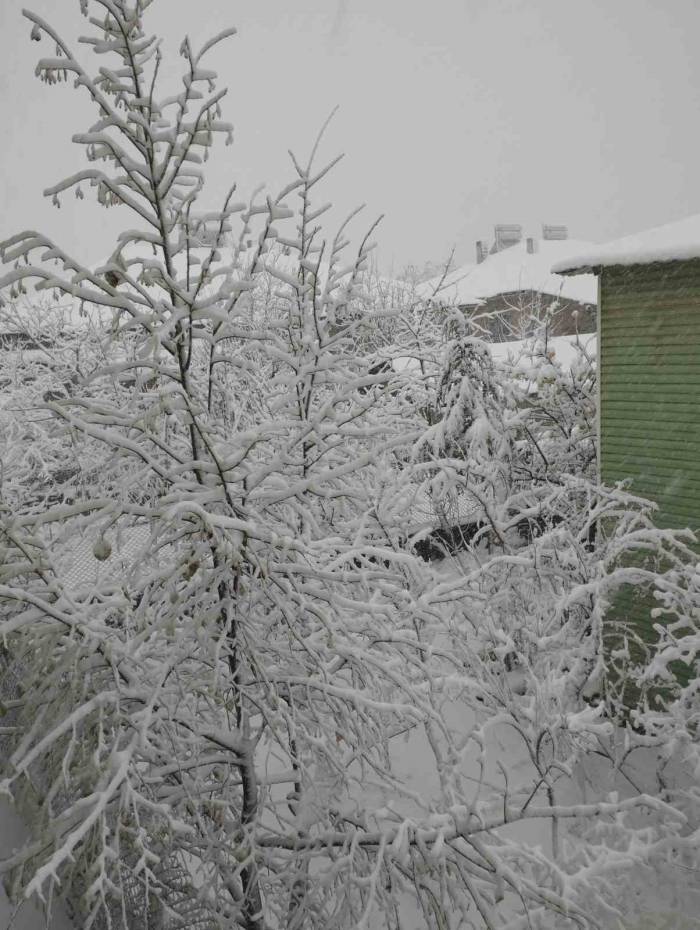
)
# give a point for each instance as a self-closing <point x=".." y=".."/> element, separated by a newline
<point x="235" y="696"/>
<point x="213" y="678"/>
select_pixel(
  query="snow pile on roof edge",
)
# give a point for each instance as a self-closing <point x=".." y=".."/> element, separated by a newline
<point x="673" y="242"/>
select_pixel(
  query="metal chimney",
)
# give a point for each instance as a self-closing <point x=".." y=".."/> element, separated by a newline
<point x="555" y="232"/>
<point x="481" y="251"/>
<point x="507" y="234"/>
<point x="530" y="245"/>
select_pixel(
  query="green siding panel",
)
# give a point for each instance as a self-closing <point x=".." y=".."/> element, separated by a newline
<point x="649" y="357"/>
<point x="650" y="384"/>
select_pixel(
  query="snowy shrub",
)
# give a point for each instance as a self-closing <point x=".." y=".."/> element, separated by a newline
<point x="548" y="552"/>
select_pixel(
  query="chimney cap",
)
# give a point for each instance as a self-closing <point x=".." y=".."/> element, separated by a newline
<point x="552" y="232"/>
<point x="506" y="235"/>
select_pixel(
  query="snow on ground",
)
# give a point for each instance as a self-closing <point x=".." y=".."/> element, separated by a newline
<point x="672" y="242"/>
<point x="521" y="353"/>
<point x="664" y="904"/>
<point x="562" y="349"/>
<point x="525" y="355"/>
<point x="515" y="269"/>
<point x="412" y="760"/>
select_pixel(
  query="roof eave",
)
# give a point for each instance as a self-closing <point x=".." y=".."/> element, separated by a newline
<point x="577" y="269"/>
<point x="598" y="267"/>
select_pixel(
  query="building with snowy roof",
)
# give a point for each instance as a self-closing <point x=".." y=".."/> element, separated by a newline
<point x="649" y="372"/>
<point x="511" y="291"/>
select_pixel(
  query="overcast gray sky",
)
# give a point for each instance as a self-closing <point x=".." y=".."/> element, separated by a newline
<point x="454" y="114"/>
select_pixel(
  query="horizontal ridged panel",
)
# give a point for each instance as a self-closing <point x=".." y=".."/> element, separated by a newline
<point x="652" y="312"/>
<point x="623" y="426"/>
<point x="665" y="279"/>
<point x="646" y="405"/>
<point x="649" y="358"/>
<point x="685" y="355"/>
<point x="619" y="429"/>
<point x="649" y="370"/>
<point x="628" y="380"/>
<point x="627" y="367"/>
<point x="618" y="380"/>
<point x="632" y="608"/>
<point x="651" y="317"/>
<point x="665" y="478"/>
<point x="651" y="321"/>
<point x="620" y="424"/>
<point x="679" y="505"/>
<point x="678" y="347"/>
<point x="684" y="359"/>
<point x="666" y="488"/>
<point x="642" y="457"/>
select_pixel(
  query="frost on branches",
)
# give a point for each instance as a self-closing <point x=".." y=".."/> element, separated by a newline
<point x="233" y="695"/>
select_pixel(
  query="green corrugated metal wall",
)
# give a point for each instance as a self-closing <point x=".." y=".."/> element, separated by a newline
<point x="650" y="385"/>
<point x="649" y="358"/>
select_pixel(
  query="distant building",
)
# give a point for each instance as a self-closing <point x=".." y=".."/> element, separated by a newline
<point x="511" y="291"/>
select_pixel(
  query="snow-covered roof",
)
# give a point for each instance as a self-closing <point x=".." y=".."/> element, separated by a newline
<point x="445" y="286"/>
<point x="669" y="243"/>
<point x="560" y="349"/>
<point x="515" y="269"/>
